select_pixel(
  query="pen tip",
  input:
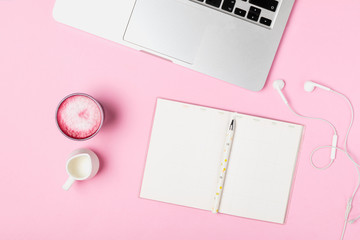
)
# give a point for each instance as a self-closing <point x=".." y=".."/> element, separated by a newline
<point x="232" y="125"/>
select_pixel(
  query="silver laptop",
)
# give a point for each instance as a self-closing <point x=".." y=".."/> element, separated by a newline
<point x="232" y="40"/>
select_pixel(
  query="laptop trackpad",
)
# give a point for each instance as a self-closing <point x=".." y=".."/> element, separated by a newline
<point x="169" y="27"/>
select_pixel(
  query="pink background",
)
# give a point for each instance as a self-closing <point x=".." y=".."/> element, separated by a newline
<point x="41" y="61"/>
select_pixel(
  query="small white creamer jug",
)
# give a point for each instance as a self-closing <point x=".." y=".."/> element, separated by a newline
<point x="82" y="164"/>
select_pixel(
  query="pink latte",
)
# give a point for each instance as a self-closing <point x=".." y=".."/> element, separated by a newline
<point x="79" y="116"/>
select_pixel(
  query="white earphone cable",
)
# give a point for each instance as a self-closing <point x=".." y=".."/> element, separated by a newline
<point x="316" y="118"/>
<point x="345" y="150"/>
<point x="355" y="163"/>
<point x="309" y="87"/>
<point x="321" y="119"/>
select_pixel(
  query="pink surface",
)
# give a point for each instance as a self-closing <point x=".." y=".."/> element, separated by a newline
<point x="42" y="61"/>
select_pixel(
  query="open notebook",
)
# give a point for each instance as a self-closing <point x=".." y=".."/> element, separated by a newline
<point x="187" y="146"/>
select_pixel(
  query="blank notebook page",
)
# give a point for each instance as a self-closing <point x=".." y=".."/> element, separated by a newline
<point x="185" y="149"/>
<point x="260" y="168"/>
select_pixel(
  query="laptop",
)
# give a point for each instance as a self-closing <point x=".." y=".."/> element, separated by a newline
<point x="231" y="40"/>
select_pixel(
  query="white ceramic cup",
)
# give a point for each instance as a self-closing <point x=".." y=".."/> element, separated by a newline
<point x="82" y="164"/>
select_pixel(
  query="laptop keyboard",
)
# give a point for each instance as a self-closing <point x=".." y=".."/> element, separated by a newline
<point x="260" y="12"/>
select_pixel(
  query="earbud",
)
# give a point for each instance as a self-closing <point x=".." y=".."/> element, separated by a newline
<point x="278" y="85"/>
<point x="309" y="86"/>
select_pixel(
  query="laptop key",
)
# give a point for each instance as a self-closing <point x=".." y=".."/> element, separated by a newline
<point x="255" y="10"/>
<point x="265" y="21"/>
<point x="228" y="5"/>
<point x="267" y="4"/>
<point x="240" y="12"/>
<point x="253" y="16"/>
<point x="214" y="3"/>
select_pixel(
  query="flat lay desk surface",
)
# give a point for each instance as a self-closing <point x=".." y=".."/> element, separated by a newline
<point x="41" y="61"/>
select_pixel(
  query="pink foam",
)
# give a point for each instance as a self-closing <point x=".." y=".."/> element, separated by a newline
<point x="79" y="117"/>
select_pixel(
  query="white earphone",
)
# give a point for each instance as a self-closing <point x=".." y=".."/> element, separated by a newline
<point x="278" y="85"/>
<point x="309" y="86"/>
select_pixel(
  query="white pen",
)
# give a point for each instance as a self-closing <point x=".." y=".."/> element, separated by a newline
<point x="224" y="164"/>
